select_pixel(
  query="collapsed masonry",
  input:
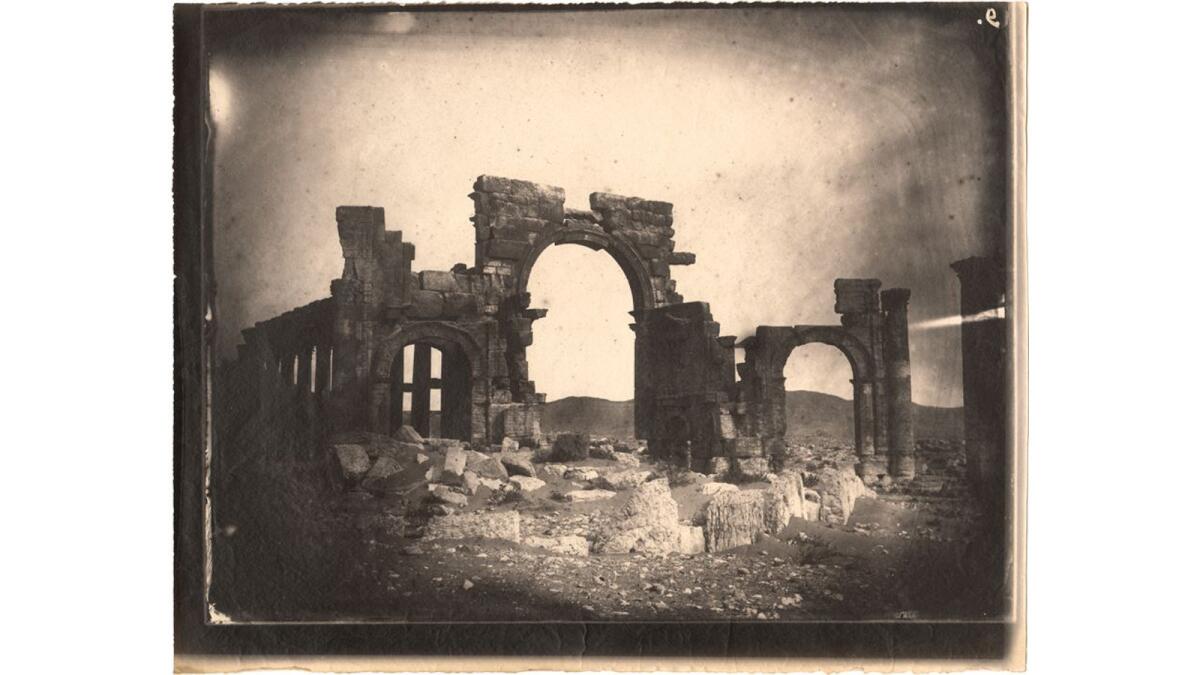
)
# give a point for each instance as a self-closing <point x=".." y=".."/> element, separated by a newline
<point x="339" y="362"/>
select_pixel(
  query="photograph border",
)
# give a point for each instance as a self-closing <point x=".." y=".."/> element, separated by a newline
<point x="574" y="645"/>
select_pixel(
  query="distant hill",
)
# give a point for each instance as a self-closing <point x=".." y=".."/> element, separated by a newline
<point x="809" y="413"/>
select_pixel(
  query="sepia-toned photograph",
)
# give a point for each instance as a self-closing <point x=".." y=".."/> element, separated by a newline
<point x="608" y="330"/>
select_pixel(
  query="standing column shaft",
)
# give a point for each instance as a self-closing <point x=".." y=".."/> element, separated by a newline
<point x="869" y="465"/>
<point x="985" y="384"/>
<point x="901" y="452"/>
<point x="422" y="358"/>
<point x="643" y="383"/>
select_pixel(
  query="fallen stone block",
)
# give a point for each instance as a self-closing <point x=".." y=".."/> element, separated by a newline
<point x="491" y="483"/>
<point x="571" y="447"/>
<point x="488" y="467"/>
<point x="382" y="468"/>
<point x="353" y="462"/>
<point x="408" y="434"/>
<point x="839" y="488"/>
<point x="588" y="495"/>
<point x="509" y="445"/>
<point x="526" y="483"/>
<point x="470" y="482"/>
<point x="581" y="473"/>
<point x="456" y="460"/>
<point x="602" y="451"/>
<point x="777" y="510"/>
<point x="564" y="545"/>
<point x="733" y="519"/>
<point x="517" y="465"/>
<point x="504" y="525"/>
<point x="623" y="480"/>
<point x="425" y="304"/>
<point x="711" y="489"/>
<point x="445" y="495"/>
<point x="555" y="470"/>
<point x="691" y="540"/>
<point x="626" y="459"/>
<point x="647" y="523"/>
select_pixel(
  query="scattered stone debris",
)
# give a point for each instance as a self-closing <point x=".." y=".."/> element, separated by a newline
<point x="504" y="525"/>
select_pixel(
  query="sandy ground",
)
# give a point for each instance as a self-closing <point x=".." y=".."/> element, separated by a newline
<point x="903" y="555"/>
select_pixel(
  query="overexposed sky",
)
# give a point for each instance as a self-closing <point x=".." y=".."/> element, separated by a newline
<point x="798" y="146"/>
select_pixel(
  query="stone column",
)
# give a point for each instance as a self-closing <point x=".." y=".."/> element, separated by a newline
<point x="870" y="466"/>
<point x="304" y="371"/>
<point x="322" y="369"/>
<point x="901" y="458"/>
<point x="422" y="359"/>
<point x="643" y="383"/>
<point x="985" y="381"/>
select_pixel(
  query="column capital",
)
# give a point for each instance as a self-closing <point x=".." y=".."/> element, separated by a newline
<point x="895" y="298"/>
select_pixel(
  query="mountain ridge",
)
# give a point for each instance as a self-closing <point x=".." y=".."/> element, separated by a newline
<point x="809" y="414"/>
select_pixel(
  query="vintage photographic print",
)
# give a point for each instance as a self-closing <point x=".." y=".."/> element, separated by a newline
<point x="600" y="331"/>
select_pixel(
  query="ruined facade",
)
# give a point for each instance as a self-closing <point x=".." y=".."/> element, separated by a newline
<point x="340" y="360"/>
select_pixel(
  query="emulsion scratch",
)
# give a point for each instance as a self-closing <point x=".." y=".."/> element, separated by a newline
<point x="956" y="320"/>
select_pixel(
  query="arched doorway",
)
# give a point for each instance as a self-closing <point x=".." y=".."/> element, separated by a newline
<point x="773" y="345"/>
<point x="626" y="256"/>
<point x="819" y="390"/>
<point x="583" y="346"/>
<point x="434" y="388"/>
<point x="430" y="391"/>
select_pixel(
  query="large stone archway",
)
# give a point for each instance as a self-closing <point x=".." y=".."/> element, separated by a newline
<point x="635" y="269"/>
<point x="470" y="403"/>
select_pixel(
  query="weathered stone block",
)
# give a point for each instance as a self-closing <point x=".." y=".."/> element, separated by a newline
<point x="691" y="540"/>
<point x="504" y="525"/>
<point x="432" y="280"/>
<point x="488" y="467"/>
<point x="455" y="462"/>
<point x="518" y="464"/>
<point x="588" y="495"/>
<point x="425" y="305"/>
<point x="623" y="480"/>
<point x="753" y="468"/>
<point x="715" y="488"/>
<point x="856" y="296"/>
<point x="507" y="250"/>
<point x="647" y="523"/>
<point x="743" y="446"/>
<point x="461" y="304"/>
<point x="382" y="468"/>
<point x="733" y="519"/>
<point x="571" y="447"/>
<point x="408" y="434"/>
<point x="527" y="483"/>
<point x="352" y="461"/>
<point x="681" y="258"/>
<point x="445" y="495"/>
<point x="564" y="545"/>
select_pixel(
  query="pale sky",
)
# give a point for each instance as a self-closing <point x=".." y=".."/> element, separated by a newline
<point x="798" y="146"/>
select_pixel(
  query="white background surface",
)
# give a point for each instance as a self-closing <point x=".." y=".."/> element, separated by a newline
<point x="87" y="502"/>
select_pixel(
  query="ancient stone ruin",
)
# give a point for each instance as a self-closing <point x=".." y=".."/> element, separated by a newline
<point x="337" y="364"/>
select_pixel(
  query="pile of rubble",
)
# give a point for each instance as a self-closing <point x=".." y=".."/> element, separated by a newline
<point x="441" y="489"/>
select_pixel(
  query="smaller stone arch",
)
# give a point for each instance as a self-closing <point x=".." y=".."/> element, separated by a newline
<point x="625" y="255"/>
<point x="861" y="363"/>
<point x="449" y="339"/>
<point x="769" y="350"/>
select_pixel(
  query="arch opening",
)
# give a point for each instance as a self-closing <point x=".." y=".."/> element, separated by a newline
<point x="624" y="255"/>
<point x="430" y="390"/>
<point x="583" y="346"/>
<point x="819" y="395"/>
